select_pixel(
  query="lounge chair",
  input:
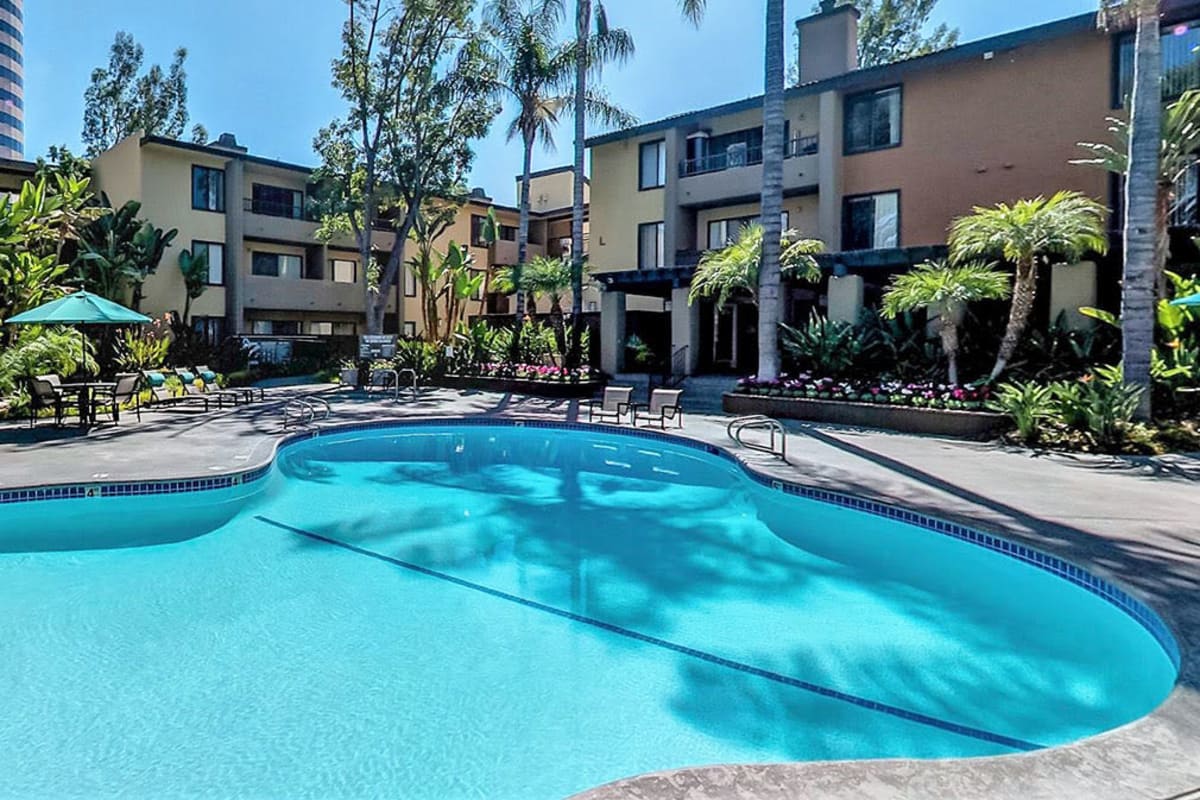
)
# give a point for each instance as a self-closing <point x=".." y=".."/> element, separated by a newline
<point x="125" y="390"/>
<point x="210" y="379"/>
<point x="613" y="406"/>
<point x="664" y="405"/>
<point x="189" y="378"/>
<point x="161" y="395"/>
<point x="46" y="393"/>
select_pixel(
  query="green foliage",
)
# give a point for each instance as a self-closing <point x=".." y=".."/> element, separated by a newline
<point x="824" y="347"/>
<point x="118" y="251"/>
<point x="898" y="347"/>
<point x="893" y="30"/>
<point x="119" y="101"/>
<point x="1180" y="141"/>
<point x="1029" y="405"/>
<point x="447" y="280"/>
<point x="194" y="269"/>
<point x="1101" y="405"/>
<point x="639" y="353"/>
<point x="417" y="355"/>
<point x="733" y="270"/>
<point x="144" y="347"/>
<point x="1067" y="225"/>
<point x="940" y="284"/>
<point x="37" y="350"/>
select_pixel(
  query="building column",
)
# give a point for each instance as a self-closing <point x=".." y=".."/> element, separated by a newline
<point x="829" y="171"/>
<point x="235" y="230"/>
<point x="845" y="298"/>
<point x="685" y="329"/>
<point x="678" y="233"/>
<point x="612" y="332"/>
<point x="1072" y="286"/>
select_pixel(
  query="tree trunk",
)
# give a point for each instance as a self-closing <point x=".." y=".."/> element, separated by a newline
<point x="522" y="245"/>
<point x="583" y="16"/>
<point x="1142" y="235"/>
<point x="1024" y="288"/>
<point x="949" y="333"/>
<point x="769" y="296"/>
<point x="364" y="244"/>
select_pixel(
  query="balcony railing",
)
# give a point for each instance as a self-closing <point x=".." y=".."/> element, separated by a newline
<point x="740" y="156"/>
<point x="274" y="208"/>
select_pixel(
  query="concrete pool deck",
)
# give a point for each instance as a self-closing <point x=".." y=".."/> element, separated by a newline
<point x="1133" y="520"/>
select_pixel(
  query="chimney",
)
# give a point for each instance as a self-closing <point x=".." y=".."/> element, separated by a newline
<point x="227" y="141"/>
<point x="828" y="42"/>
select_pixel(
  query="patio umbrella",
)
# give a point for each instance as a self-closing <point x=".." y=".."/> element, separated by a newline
<point x="1190" y="300"/>
<point x="80" y="308"/>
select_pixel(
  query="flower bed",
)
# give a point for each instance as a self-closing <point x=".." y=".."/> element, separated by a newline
<point x="891" y="393"/>
<point x="534" y="372"/>
<point x="927" y="408"/>
<point x="527" y="379"/>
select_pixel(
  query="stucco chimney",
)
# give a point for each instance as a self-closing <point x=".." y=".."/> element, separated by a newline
<point x="828" y="42"/>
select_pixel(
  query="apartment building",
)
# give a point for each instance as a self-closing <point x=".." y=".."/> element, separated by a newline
<point x="268" y="274"/>
<point x="878" y="163"/>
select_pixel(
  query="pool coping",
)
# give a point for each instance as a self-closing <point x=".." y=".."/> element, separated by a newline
<point x="759" y="780"/>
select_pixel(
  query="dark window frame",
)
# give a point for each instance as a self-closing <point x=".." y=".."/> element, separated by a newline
<point x="220" y="209"/>
<point x="278" y="266"/>
<point x="847" y="149"/>
<point x="477" y="224"/>
<point x="662" y="159"/>
<point x="208" y="245"/>
<point x="663" y="255"/>
<point x="848" y="199"/>
<point x="264" y="207"/>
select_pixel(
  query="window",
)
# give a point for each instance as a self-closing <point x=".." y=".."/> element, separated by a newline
<point x="650" y="245"/>
<point x="211" y="330"/>
<point x="410" y="282"/>
<point x="215" y="252"/>
<point x="1180" y="62"/>
<point x="276" y="265"/>
<point x="482" y="275"/>
<point x="870" y="222"/>
<point x="277" y="201"/>
<point x="724" y="231"/>
<point x="478" y="230"/>
<point x="344" y="329"/>
<point x="873" y="120"/>
<point x="652" y="165"/>
<point x="274" y="327"/>
<point x="320" y="328"/>
<point x="344" y="270"/>
<point x="508" y="233"/>
<point x="208" y="189"/>
<point x="1184" y="206"/>
<point x="410" y="330"/>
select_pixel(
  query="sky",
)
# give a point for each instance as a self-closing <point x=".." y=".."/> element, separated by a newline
<point x="260" y="68"/>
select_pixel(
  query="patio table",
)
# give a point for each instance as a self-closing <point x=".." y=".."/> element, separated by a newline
<point x="87" y="410"/>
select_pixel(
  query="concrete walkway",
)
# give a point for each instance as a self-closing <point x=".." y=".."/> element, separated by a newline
<point x="1134" y="520"/>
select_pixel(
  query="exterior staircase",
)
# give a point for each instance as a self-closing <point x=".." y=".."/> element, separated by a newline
<point x="701" y="393"/>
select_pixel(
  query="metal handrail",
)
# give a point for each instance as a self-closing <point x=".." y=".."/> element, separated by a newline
<point x="411" y="372"/>
<point x="738" y="425"/>
<point x="303" y="411"/>
<point x="734" y="156"/>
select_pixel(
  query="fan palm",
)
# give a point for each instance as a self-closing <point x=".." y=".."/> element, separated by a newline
<point x="734" y="270"/>
<point x="1148" y="165"/>
<point x="1026" y="234"/>
<point x="945" y="290"/>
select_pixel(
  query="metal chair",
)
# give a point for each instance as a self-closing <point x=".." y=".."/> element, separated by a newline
<point x="125" y="390"/>
<point x="664" y="405"/>
<point x="45" y="393"/>
<point x="614" y="405"/>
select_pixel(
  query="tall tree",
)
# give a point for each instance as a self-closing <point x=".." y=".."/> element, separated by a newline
<point x="1144" y="238"/>
<point x="417" y="81"/>
<point x="770" y="301"/>
<point x="594" y="48"/>
<point x="118" y="251"/>
<point x="1027" y="234"/>
<point x="119" y="101"/>
<point x="893" y="30"/>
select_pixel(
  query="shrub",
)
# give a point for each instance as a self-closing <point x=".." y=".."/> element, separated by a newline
<point x="825" y="347"/>
<point x="1028" y="405"/>
<point x="1100" y="405"/>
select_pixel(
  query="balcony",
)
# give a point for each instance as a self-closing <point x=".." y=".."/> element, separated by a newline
<point x="281" y="221"/>
<point x="301" y="294"/>
<point x="734" y="157"/>
<point x="735" y="176"/>
<point x="273" y="208"/>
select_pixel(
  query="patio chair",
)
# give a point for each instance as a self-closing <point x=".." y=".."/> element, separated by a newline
<point x="125" y="390"/>
<point x="43" y="394"/>
<point x="188" y="379"/>
<point x="161" y="395"/>
<point x="664" y="405"/>
<point x="209" y="386"/>
<point x="209" y="377"/>
<point x="614" y="406"/>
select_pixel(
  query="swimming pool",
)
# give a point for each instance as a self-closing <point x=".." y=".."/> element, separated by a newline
<point x="444" y="611"/>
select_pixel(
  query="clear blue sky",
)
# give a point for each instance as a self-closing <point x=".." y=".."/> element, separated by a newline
<point x="260" y="68"/>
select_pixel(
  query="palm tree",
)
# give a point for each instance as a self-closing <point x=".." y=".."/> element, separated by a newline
<point x="770" y="308"/>
<point x="945" y="290"/>
<point x="594" y="47"/>
<point x="1144" y="239"/>
<point x="735" y="270"/>
<point x="1026" y="234"/>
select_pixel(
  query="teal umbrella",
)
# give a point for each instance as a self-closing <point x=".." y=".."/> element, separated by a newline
<point x="1190" y="300"/>
<point x="80" y="308"/>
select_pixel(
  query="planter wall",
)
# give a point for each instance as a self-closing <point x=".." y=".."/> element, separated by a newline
<point x="518" y="386"/>
<point x="907" y="419"/>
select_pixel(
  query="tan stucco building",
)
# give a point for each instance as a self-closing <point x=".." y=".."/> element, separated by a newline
<point x="878" y="163"/>
<point x="269" y="275"/>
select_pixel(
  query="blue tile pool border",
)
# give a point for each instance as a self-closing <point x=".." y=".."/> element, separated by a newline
<point x="1061" y="568"/>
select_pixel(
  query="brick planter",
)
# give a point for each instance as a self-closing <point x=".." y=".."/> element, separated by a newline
<point x="518" y="386"/>
<point x="907" y="419"/>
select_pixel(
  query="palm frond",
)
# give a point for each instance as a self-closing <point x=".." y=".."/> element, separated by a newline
<point x="733" y="270"/>
<point x="939" y="283"/>
<point x="1067" y="224"/>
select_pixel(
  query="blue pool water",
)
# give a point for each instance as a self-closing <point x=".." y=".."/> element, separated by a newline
<point x="498" y="612"/>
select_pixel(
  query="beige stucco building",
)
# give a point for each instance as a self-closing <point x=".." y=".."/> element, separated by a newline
<point x="269" y="275"/>
<point x="878" y="162"/>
